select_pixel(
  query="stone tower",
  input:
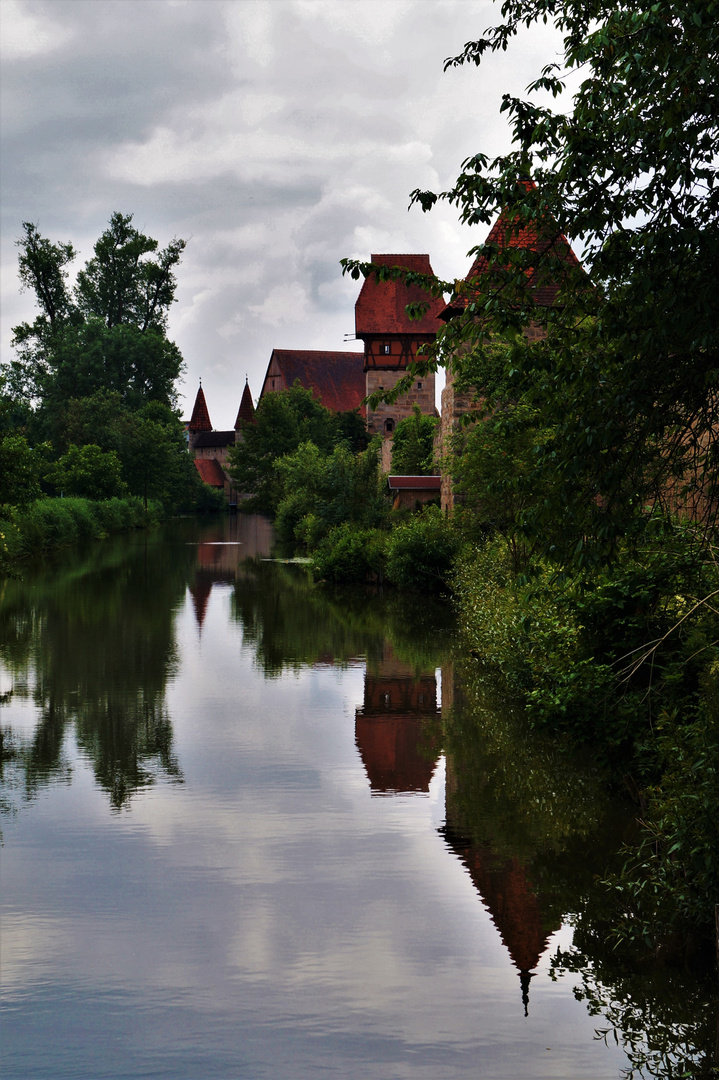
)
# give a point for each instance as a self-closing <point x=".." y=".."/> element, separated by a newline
<point x="391" y="340"/>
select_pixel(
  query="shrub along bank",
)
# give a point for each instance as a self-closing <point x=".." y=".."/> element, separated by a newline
<point x="47" y="524"/>
<point x="625" y="661"/>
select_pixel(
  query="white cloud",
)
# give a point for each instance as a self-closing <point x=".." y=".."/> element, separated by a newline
<point x="277" y="136"/>
<point x="286" y="303"/>
<point x="25" y="34"/>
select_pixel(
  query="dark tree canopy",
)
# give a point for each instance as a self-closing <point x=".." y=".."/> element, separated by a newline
<point x="106" y="333"/>
<point x="413" y="445"/>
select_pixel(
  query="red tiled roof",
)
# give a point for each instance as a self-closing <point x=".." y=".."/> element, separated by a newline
<point x="380" y="307"/>
<point x="210" y="471"/>
<point x="337" y="378"/>
<point x="246" y="413"/>
<point x="200" y="419"/>
<point x="529" y="238"/>
<point x="414" y="483"/>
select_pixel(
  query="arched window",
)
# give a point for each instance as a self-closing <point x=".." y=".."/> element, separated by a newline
<point x="389" y="425"/>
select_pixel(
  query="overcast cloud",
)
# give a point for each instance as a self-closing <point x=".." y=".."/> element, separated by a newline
<point x="277" y="136"/>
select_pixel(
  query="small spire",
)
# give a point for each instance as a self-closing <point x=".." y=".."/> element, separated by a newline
<point x="246" y="413"/>
<point x="524" y="978"/>
<point x="200" y="419"/>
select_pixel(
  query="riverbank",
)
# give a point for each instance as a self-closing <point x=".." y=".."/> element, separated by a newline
<point x="50" y="523"/>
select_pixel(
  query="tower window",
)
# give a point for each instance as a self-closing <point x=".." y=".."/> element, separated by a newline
<point x="419" y="385"/>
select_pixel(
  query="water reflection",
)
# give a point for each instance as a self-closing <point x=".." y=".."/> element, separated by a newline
<point x="90" y="644"/>
<point x="271" y="882"/>
<point x="398" y="730"/>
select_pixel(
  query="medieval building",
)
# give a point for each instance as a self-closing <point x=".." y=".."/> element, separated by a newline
<point x="504" y="234"/>
<point x="392" y="340"/>
<point x="335" y="378"/>
<point x="210" y="448"/>
<point x="342" y="381"/>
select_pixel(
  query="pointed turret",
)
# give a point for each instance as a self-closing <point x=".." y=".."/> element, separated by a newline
<point x="246" y="413"/>
<point x="200" y="419"/>
<point x="508" y="233"/>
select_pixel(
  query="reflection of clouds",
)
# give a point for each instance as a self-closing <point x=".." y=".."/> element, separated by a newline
<point x="271" y="897"/>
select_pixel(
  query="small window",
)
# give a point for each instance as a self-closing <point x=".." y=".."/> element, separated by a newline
<point x="389" y="425"/>
<point x="384" y="348"/>
<point x="419" y="385"/>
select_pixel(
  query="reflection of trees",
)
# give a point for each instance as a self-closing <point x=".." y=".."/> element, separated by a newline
<point x="666" y="1026"/>
<point x="91" y="644"/>
<point x="537" y="833"/>
<point x="291" y="623"/>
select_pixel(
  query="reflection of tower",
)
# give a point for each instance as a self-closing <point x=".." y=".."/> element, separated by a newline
<point x="200" y="591"/>
<point x="397" y="730"/>
<point x="512" y="901"/>
<point x="221" y="551"/>
<point x="524" y="918"/>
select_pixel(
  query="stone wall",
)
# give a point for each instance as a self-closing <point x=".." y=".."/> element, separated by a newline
<point x="384" y="418"/>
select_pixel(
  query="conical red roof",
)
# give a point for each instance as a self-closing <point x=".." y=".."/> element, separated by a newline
<point x="246" y="413"/>
<point x="200" y="419"/>
<point x="528" y="237"/>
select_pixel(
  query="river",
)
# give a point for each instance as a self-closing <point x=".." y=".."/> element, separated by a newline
<point x="255" y="828"/>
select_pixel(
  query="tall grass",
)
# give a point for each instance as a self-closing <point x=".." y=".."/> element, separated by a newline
<point x="48" y="524"/>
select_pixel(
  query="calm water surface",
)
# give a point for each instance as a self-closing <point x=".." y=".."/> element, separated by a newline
<point x="255" y="829"/>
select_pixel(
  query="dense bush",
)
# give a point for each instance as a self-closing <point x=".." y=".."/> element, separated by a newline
<point x="413" y="445"/>
<point x="89" y="472"/>
<point x="351" y="554"/>
<point x="421" y="552"/>
<point x="625" y="660"/>
<point x="322" y="491"/>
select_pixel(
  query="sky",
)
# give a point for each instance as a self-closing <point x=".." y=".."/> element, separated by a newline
<point x="275" y="136"/>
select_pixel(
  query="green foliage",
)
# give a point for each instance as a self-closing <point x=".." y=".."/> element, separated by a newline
<point x="109" y="333"/>
<point x="525" y="630"/>
<point x="624" y="660"/>
<point x="492" y="463"/>
<point x="21" y="469"/>
<point x="48" y="524"/>
<point x="283" y="421"/>
<point x="421" y="552"/>
<point x="89" y="472"/>
<point x="670" y="880"/>
<point x="413" y="445"/>
<point x="321" y="491"/>
<point x="350" y="554"/>
<point x="149" y="443"/>
<point x="352" y="431"/>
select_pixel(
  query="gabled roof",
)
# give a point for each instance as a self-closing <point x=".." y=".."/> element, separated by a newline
<point x="528" y="237"/>
<point x="246" y="412"/>
<point x="337" y="378"/>
<point x="380" y="306"/>
<point x="210" y="471"/>
<point x="200" y="419"/>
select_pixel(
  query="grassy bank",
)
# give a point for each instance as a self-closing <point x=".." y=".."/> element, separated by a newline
<point x="48" y="524"/>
